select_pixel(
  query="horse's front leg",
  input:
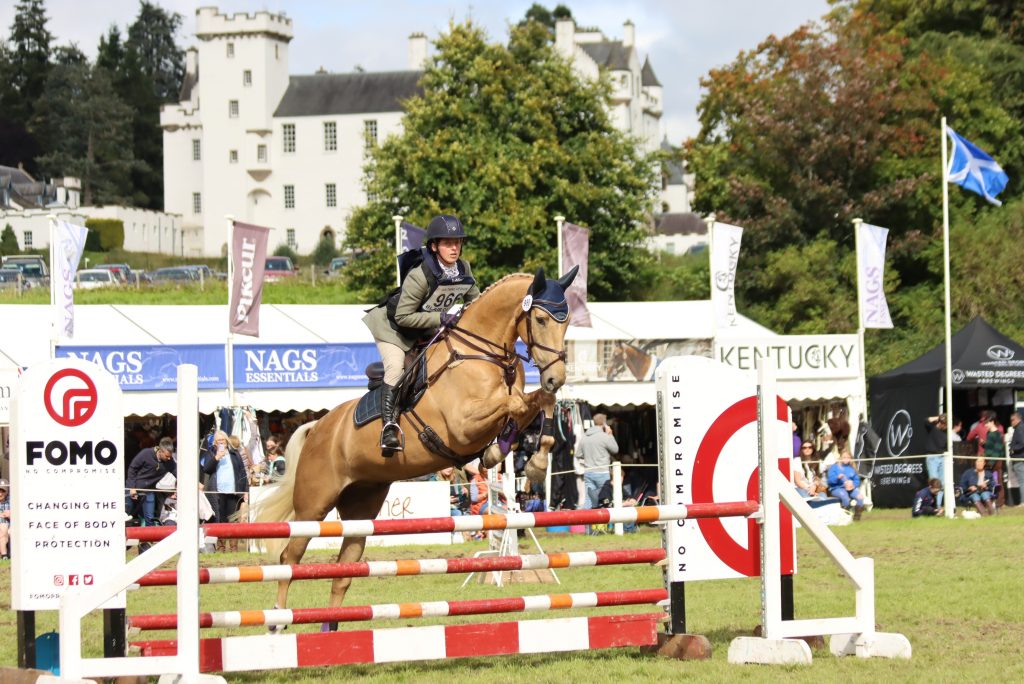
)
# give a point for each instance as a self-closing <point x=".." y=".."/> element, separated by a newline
<point x="539" y="400"/>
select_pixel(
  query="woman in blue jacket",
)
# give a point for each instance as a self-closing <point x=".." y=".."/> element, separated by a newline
<point x="228" y="480"/>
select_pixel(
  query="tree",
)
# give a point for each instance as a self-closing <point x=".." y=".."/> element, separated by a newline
<point x="28" y="61"/>
<point x="545" y="17"/>
<point x="506" y="138"/>
<point x="806" y="132"/>
<point x="152" y="36"/>
<point x="8" y="241"/>
<point x="324" y="251"/>
<point x="85" y="128"/>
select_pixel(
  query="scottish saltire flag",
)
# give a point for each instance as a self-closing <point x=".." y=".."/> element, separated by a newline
<point x="972" y="168"/>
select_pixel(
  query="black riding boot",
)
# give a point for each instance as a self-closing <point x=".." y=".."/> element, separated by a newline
<point x="391" y="437"/>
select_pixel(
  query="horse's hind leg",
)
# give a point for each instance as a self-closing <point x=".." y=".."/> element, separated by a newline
<point x="358" y="503"/>
<point x="291" y="555"/>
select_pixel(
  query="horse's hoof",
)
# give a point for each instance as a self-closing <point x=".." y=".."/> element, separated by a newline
<point x="276" y="629"/>
<point x="535" y="474"/>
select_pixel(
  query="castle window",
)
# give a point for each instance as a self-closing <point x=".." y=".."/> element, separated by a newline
<point x="291" y="238"/>
<point x="231" y="50"/>
<point x="330" y="136"/>
<point x="233" y="156"/>
<point x="196" y="150"/>
<point x="370" y="133"/>
<point x="332" y="194"/>
<point x="197" y="203"/>
<point x="233" y="109"/>
<point x="247" y="77"/>
<point x="261" y="154"/>
<point x="288" y="134"/>
<point x="289" y="197"/>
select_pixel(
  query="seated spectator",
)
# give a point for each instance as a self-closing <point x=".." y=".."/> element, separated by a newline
<point x="5" y="520"/>
<point x="804" y="484"/>
<point x="844" y="484"/>
<point x="977" y="485"/>
<point x="478" y="495"/>
<point x="927" y="502"/>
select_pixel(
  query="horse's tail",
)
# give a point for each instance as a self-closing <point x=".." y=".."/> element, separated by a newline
<point x="278" y="505"/>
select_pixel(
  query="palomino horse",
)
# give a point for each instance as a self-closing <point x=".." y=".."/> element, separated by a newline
<point x="641" y="364"/>
<point x="476" y="386"/>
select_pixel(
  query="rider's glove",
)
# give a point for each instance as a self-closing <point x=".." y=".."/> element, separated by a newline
<point x="450" y="317"/>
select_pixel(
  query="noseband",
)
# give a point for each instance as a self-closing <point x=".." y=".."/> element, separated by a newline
<point x="531" y="344"/>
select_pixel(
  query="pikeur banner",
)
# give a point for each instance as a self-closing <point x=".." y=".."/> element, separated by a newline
<point x="69" y="243"/>
<point x="576" y="252"/>
<point x="874" y="310"/>
<point x="249" y="256"/>
<point x="725" y="254"/>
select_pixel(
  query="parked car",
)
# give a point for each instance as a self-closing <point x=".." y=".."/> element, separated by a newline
<point x="11" y="279"/>
<point x="28" y="259"/>
<point x="175" y="274"/>
<point x="92" y="278"/>
<point x="123" y="272"/>
<point x="277" y="268"/>
<point x="336" y="266"/>
<point x="33" y="273"/>
<point x="202" y="270"/>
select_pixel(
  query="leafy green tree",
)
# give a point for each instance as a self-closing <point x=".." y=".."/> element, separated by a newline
<point x="86" y="129"/>
<point x="545" y="17"/>
<point x="324" y="251"/>
<point x="809" y="131"/>
<point x="8" y="241"/>
<point x="506" y="138"/>
<point x="284" y="250"/>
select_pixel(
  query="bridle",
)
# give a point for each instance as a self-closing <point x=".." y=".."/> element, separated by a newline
<point x="507" y="359"/>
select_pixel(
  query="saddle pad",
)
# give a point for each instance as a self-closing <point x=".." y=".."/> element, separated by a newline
<point x="369" y="407"/>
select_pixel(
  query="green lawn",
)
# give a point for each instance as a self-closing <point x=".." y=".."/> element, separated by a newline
<point x="952" y="587"/>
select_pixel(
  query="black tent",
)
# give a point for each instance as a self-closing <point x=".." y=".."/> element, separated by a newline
<point x="903" y="398"/>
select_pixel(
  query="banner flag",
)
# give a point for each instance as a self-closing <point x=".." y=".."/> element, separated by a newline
<point x="973" y="169"/>
<point x="249" y="256"/>
<point x="725" y="254"/>
<point x="68" y="245"/>
<point x="412" y="237"/>
<point x="874" y="310"/>
<point x="576" y="252"/>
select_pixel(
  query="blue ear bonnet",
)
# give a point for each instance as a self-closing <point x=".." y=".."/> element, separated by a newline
<point x="552" y="300"/>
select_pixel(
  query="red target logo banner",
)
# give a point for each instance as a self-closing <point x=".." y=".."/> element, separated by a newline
<point x="70" y="397"/>
<point x="745" y="560"/>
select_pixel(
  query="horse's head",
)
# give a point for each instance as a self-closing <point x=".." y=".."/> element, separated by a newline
<point x="542" y="325"/>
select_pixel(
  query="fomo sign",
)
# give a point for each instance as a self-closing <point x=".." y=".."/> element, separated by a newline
<point x="707" y="430"/>
<point x="67" y="482"/>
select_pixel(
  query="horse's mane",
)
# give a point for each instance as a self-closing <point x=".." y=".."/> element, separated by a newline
<point x="498" y="282"/>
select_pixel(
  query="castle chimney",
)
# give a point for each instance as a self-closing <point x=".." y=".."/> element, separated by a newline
<point x="628" y="34"/>
<point x="417" y="51"/>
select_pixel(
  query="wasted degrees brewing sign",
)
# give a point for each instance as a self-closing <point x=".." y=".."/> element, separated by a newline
<point x="67" y="482"/>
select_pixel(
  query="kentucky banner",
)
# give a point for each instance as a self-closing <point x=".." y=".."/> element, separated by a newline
<point x="576" y="252"/>
<point x="725" y="254"/>
<point x="874" y="310"/>
<point x="66" y="252"/>
<point x="248" y="255"/>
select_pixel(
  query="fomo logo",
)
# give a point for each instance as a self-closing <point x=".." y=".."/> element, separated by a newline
<point x="998" y="352"/>
<point x="70" y="397"/>
<point x="898" y="434"/>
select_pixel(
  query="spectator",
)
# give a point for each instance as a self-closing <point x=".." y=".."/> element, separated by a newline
<point x="935" y="447"/>
<point x="148" y="468"/>
<point x="597" y="446"/>
<point x="5" y="520"/>
<point x="844" y="484"/>
<point x="275" y="457"/>
<point x="458" y="489"/>
<point x="976" y="484"/>
<point x="979" y="431"/>
<point x="1017" y="454"/>
<point x="801" y="480"/>
<point x="228" y="485"/>
<point x="927" y="502"/>
<point x="797" y="442"/>
<point x="995" y="448"/>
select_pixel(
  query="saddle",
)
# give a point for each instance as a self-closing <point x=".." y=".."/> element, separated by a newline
<point x="409" y="392"/>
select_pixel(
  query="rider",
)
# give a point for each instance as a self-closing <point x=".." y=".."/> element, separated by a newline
<point x="427" y="298"/>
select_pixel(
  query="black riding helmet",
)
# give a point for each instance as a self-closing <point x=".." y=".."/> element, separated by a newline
<point x="444" y="226"/>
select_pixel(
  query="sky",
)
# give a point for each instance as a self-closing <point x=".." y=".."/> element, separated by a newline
<point x="683" y="38"/>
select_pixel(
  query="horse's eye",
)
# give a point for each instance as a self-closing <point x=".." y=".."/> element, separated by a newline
<point x="542" y="321"/>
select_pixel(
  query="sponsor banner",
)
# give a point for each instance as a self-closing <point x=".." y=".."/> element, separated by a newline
<point x="999" y="368"/>
<point x="576" y="252"/>
<point x="796" y="357"/>
<point x="725" y="255"/>
<point x="69" y="243"/>
<point x="154" y="367"/>
<point x="874" y="309"/>
<point x="708" y="443"/>
<point x="249" y="256"/>
<point x="67" y="482"/>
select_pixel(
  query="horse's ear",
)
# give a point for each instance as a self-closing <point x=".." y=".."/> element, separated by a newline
<point x="566" y="280"/>
<point x="539" y="283"/>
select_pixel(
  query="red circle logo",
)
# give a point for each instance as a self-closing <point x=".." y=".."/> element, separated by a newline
<point x="76" y="397"/>
<point x="744" y="560"/>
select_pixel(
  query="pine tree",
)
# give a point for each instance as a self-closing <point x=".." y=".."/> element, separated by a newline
<point x="28" y="60"/>
<point x="8" y="241"/>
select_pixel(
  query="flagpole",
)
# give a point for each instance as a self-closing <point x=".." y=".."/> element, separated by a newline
<point x="559" y="222"/>
<point x="860" y="325"/>
<point x="397" y="218"/>
<point x="54" y="330"/>
<point x="230" y="348"/>
<point x="947" y="466"/>
<point x="709" y="221"/>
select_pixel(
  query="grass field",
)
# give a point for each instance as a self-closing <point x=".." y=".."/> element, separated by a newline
<point x="952" y="587"/>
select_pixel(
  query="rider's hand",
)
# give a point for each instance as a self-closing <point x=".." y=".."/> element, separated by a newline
<point x="450" y="317"/>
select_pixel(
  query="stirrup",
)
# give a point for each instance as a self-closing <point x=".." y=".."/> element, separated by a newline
<point x="390" y="450"/>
